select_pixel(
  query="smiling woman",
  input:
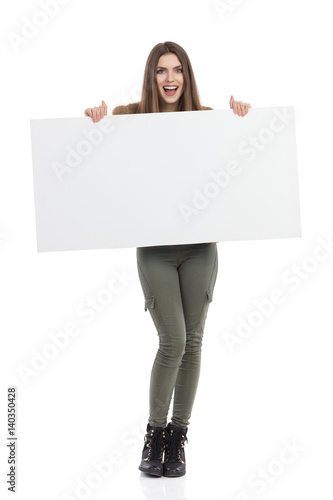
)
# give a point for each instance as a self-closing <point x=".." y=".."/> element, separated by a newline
<point x="177" y="280"/>
<point x="170" y="81"/>
<point x="169" y="67"/>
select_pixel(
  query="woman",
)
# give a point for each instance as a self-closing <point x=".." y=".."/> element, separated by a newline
<point x="177" y="280"/>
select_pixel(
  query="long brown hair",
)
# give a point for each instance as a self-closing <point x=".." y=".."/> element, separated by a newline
<point x="189" y="100"/>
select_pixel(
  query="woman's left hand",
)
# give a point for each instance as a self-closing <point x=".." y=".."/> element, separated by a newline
<point x="240" y="108"/>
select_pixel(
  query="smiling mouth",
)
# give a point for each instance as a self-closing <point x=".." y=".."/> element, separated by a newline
<point x="170" y="90"/>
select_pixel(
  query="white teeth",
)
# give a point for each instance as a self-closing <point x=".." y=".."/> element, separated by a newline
<point x="170" y="88"/>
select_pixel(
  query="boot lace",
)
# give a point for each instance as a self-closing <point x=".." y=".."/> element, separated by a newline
<point x="175" y="442"/>
<point x="155" y="443"/>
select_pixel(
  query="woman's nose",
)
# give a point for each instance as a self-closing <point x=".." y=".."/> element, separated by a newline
<point x="169" y="77"/>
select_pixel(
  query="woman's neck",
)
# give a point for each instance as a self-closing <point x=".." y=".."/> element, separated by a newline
<point x="164" y="107"/>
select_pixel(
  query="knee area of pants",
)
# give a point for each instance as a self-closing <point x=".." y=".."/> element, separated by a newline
<point x="194" y="341"/>
<point x="194" y="349"/>
<point x="173" y="351"/>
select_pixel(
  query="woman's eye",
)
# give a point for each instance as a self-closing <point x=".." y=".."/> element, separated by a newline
<point x="179" y="69"/>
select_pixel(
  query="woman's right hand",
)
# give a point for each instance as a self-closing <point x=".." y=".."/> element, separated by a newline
<point x="97" y="113"/>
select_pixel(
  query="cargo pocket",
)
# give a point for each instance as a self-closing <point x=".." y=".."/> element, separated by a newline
<point x="210" y="294"/>
<point x="150" y="302"/>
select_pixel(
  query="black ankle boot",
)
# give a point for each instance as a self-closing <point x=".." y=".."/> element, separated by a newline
<point x="152" y="453"/>
<point x="174" y="458"/>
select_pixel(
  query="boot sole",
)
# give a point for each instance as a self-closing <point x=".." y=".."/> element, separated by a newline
<point x="151" y="472"/>
<point x="174" y="474"/>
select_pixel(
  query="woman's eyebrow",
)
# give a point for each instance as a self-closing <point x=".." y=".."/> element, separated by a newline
<point x="179" y="66"/>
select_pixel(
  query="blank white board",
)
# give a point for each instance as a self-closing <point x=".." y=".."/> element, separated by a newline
<point x="165" y="179"/>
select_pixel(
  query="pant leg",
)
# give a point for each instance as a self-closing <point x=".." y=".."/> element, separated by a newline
<point x="158" y="273"/>
<point x="197" y="275"/>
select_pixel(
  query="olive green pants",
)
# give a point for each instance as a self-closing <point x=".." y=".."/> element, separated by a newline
<point x="178" y="283"/>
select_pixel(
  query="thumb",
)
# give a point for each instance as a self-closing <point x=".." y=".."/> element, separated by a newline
<point x="231" y="100"/>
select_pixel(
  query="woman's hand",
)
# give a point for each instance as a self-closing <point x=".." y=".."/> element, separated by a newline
<point x="240" y="108"/>
<point x="97" y="113"/>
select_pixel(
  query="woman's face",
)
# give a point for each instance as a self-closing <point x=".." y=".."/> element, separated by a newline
<point x="169" y="73"/>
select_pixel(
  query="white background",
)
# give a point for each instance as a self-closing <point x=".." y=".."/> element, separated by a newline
<point x="91" y="399"/>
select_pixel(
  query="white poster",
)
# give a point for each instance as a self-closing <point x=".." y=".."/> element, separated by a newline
<point x="165" y="179"/>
